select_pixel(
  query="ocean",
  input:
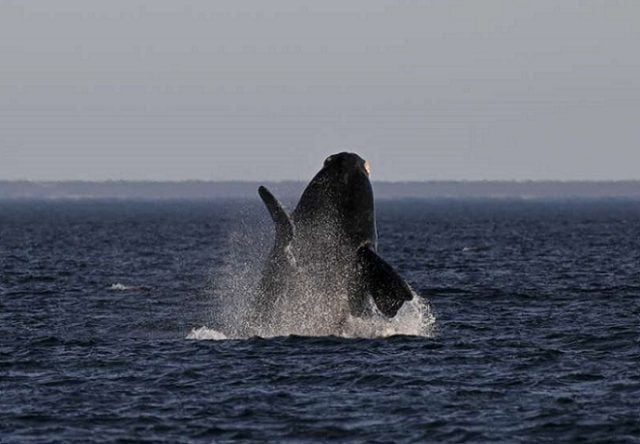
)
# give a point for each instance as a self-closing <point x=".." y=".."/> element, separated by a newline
<point x="120" y="321"/>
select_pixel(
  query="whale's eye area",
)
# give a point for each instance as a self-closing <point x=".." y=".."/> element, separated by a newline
<point x="367" y="167"/>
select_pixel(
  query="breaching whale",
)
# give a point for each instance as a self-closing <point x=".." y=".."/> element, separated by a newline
<point x="330" y="241"/>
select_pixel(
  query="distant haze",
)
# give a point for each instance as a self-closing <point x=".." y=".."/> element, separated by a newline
<point x="290" y="191"/>
<point x="255" y="90"/>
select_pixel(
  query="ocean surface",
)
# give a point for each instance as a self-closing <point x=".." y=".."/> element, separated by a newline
<point x="120" y="322"/>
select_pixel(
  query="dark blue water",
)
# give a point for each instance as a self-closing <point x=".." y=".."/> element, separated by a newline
<point x="537" y="331"/>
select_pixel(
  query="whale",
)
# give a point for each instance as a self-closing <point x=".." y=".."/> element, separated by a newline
<point x="330" y="241"/>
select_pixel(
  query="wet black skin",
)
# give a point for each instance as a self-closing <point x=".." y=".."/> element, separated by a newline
<point x="332" y="235"/>
<point x="340" y="193"/>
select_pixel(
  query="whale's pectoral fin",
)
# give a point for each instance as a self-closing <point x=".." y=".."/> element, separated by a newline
<point x="283" y="223"/>
<point x="386" y="286"/>
<point x="280" y="265"/>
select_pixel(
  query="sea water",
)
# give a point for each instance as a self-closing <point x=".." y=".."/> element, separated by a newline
<point x="124" y="320"/>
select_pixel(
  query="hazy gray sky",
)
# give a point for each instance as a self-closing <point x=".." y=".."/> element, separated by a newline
<point x="426" y="90"/>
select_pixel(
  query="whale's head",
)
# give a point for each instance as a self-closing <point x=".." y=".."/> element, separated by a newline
<point x="346" y="167"/>
<point x="341" y="191"/>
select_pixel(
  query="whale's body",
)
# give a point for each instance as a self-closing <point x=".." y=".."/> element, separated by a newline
<point x="330" y="242"/>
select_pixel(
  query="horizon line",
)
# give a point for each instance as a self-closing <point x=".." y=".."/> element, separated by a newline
<point x="183" y="181"/>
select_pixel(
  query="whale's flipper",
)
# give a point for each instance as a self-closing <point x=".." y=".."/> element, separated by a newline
<point x="284" y="225"/>
<point x="280" y="266"/>
<point x="388" y="289"/>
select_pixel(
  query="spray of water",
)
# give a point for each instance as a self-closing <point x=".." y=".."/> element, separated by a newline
<point x="308" y="308"/>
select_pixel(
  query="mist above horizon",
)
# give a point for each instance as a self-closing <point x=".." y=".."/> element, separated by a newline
<point x="290" y="191"/>
<point x="494" y="90"/>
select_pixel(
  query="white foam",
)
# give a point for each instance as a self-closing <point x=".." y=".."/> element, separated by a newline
<point x="120" y="287"/>
<point x="205" y="333"/>
<point x="415" y="318"/>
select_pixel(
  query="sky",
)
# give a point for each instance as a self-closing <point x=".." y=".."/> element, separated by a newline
<point x="255" y="90"/>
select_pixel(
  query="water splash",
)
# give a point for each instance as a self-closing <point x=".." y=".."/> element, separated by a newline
<point x="306" y="311"/>
<point x="415" y="318"/>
